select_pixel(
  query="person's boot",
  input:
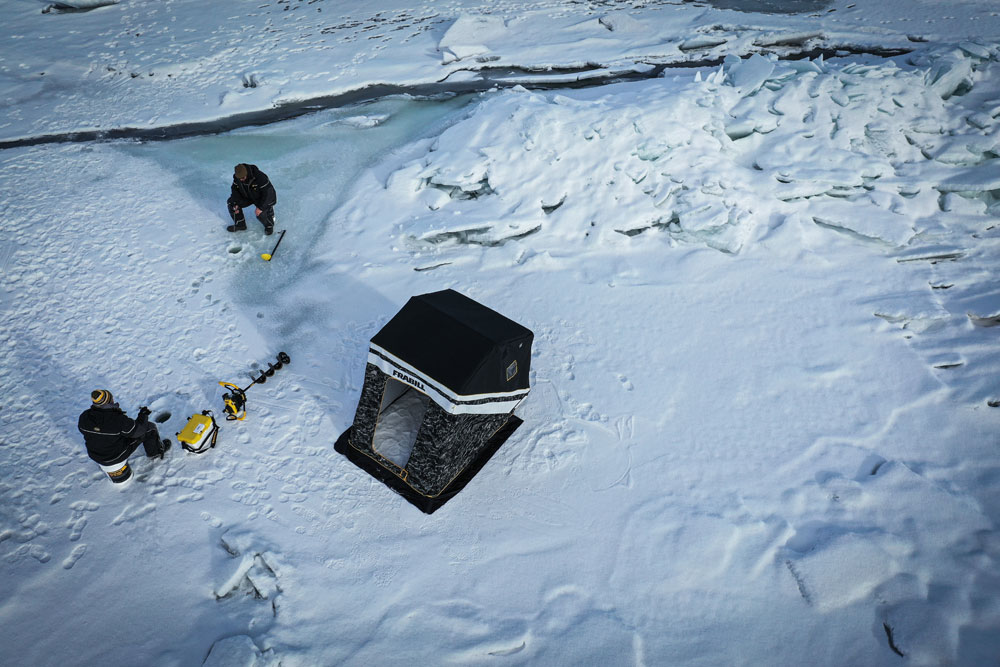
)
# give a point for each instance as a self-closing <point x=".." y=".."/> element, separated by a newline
<point x="266" y="217"/>
<point x="237" y="227"/>
<point x="166" y="447"/>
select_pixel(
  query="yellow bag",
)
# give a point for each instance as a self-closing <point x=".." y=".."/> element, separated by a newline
<point x="196" y="433"/>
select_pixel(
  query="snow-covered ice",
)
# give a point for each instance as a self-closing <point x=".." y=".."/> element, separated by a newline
<point x="765" y="400"/>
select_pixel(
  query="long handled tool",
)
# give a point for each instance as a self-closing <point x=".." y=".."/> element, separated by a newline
<point x="268" y="255"/>
<point x="236" y="398"/>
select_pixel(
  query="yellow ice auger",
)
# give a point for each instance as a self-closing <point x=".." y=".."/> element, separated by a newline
<point x="236" y="398"/>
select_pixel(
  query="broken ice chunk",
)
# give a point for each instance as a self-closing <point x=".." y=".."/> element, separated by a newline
<point x="362" y="122"/>
<point x="236" y="651"/>
<point x="865" y="220"/>
<point x="976" y="50"/>
<point x="234" y="580"/>
<point x="961" y="149"/>
<point x="702" y="42"/>
<point x="263" y="579"/>
<point x="469" y="36"/>
<point x="980" y="178"/>
<point x="621" y="22"/>
<point x="434" y="198"/>
<point x="950" y="76"/>
<point x="747" y="76"/>
<point x="748" y="115"/>
<point x="457" y="52"/>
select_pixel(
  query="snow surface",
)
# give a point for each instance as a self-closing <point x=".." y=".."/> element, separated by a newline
<point x="763" y="424"/>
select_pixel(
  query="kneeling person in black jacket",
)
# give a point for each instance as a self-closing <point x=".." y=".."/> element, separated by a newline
<point x="111" y="436"/>
<point x="251" y="186"/>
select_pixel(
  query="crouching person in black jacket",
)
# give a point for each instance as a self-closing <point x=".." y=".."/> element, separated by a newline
<point x="111" y="436"/>
<point x="251" y="186"/>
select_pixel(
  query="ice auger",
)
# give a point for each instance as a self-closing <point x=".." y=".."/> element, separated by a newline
<point x="236" y="398"/>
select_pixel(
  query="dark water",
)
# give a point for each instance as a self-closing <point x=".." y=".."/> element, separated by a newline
<point x="771" y="6"/>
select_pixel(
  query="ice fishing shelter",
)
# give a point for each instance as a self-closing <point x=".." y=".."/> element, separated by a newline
<point x="442" y="380"/>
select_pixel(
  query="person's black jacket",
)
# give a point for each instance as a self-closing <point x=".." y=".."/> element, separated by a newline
<point x="256" y="190"/>
<point x="109" y="434"/>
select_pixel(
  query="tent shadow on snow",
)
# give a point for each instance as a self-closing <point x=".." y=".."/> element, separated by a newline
<point x="443" y="378"/>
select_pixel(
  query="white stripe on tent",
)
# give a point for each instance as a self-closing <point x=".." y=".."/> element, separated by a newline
<point x="456" y="404"/>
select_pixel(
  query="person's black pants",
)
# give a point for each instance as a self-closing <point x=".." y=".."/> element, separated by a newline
<point x="266" y="215"/>
<point x="149" y="438"/>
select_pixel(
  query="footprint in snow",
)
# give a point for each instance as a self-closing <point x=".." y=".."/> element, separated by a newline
<point x="76" y="526"/>
<point x="33" y="550"/>
<point x="131" y="513"/>
<point x="74" y="556"/>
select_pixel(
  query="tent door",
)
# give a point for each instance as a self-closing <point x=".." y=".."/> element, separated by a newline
<point x="399" y="419"/>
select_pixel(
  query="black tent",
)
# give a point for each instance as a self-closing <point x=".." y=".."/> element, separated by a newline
<point x="442" y="380"/>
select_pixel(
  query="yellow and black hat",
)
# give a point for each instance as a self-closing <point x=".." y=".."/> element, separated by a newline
<point x="101" y="397"/>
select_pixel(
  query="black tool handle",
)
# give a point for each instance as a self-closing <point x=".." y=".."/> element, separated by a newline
<point x="280" y="236"/>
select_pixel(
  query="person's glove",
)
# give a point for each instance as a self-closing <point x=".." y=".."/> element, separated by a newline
<point x="143" y="415"/>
